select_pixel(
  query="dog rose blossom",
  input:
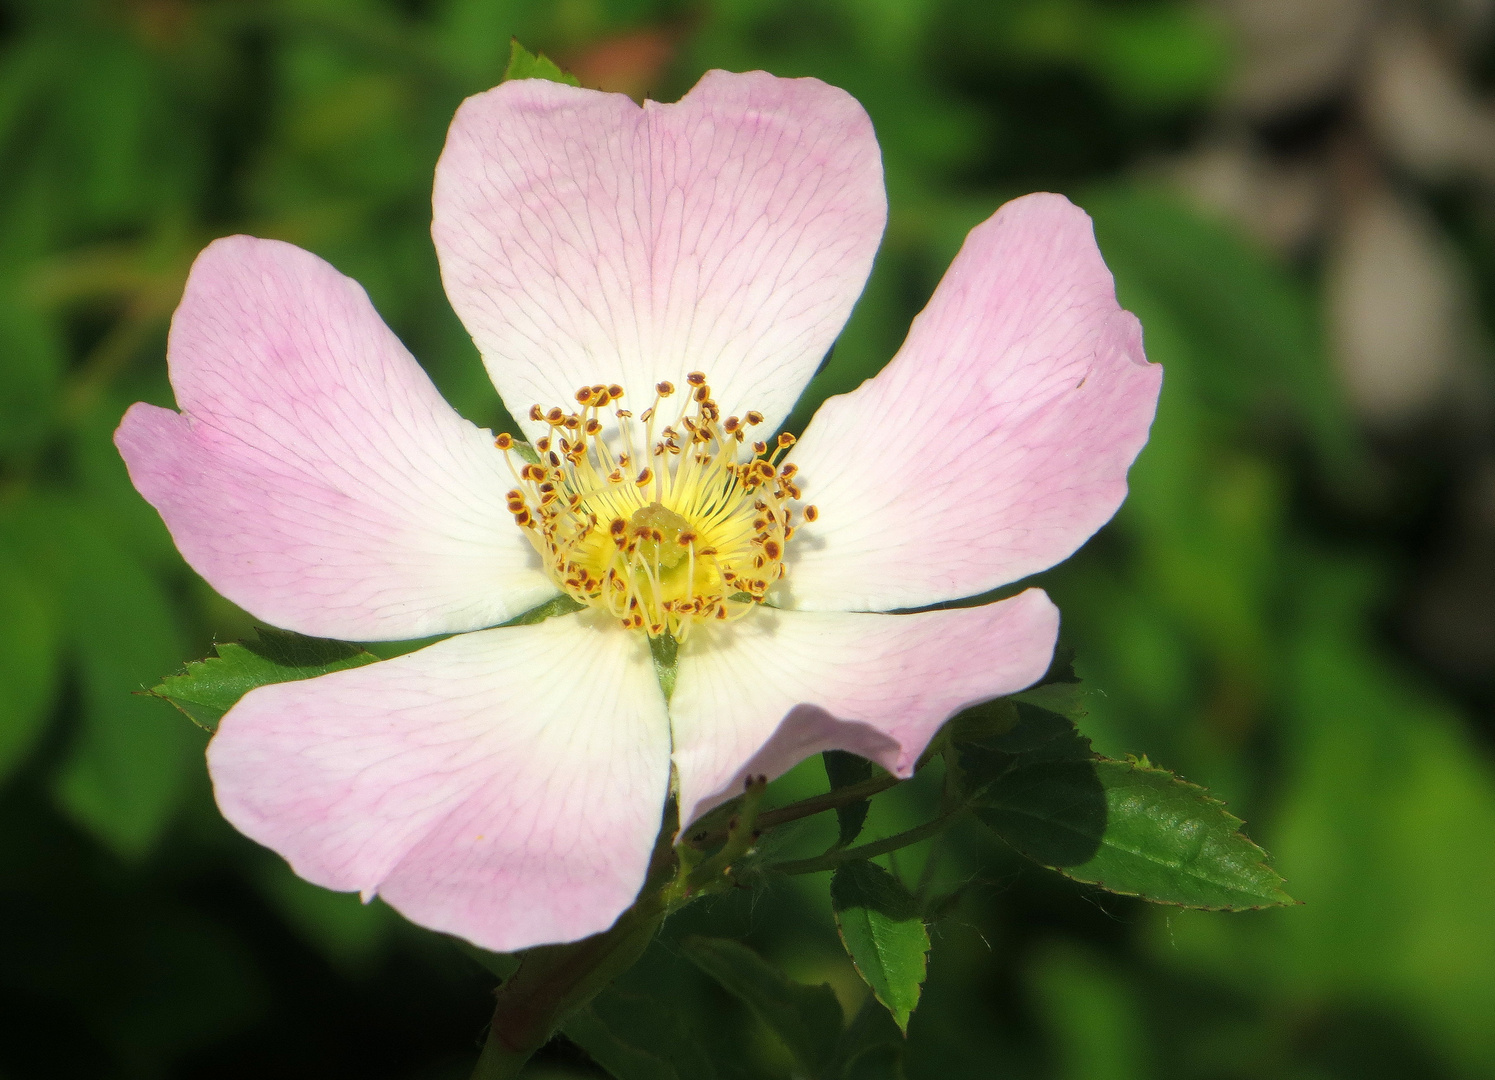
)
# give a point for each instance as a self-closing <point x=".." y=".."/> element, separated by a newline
<point x="650" y="289"/>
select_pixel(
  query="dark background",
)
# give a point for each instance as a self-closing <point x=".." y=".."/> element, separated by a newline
<point x="1295" y="607"/>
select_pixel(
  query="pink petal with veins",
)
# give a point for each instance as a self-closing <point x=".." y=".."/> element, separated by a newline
<point x="996" y="441"/>
<point x="762" y="694"/>
<point x="504" y="785"/>
<point x="314" y="476"/>
<point x="584" y="239"/>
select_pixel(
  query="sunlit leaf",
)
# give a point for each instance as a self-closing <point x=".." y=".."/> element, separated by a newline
<point x="524" y="64"/>
<point x="884" y="934"/>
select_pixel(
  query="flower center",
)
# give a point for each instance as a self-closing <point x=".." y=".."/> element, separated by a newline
<point x="661" y="530"/>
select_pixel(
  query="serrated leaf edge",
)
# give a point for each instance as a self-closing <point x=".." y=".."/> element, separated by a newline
<point x="1141" y="764"/>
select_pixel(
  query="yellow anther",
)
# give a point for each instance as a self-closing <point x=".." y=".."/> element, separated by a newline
<point x="661" y="526"/>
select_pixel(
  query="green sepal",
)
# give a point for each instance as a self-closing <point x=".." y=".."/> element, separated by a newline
<point x="209" y="688"/>
<point x="524" y="64"/>
<point x="884" y="934"/>
<point x="666" y="653"/>
<point x="559" y="605"/>
<point x="806" y="1019"/>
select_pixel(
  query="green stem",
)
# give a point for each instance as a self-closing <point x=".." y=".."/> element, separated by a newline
<point x="818" y="804"/>
<point x="834" y="858"/>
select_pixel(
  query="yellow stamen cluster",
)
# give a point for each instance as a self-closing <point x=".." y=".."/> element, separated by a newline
<point x="661" y="530"/>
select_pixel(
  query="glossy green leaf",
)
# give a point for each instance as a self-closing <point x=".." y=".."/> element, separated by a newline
<point x="524" y="64"/>
<point x="884" y="934"/>
<point x="1131" y="829"/>
<point x="843" y="770"/>
<point x="807" y="1019"/>
<point x="209" y="688"/>
<point x="638" y="1037"/>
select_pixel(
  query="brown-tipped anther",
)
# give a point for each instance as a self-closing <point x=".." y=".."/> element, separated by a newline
<point x="760" y="448"/>
<point x="703" y="393"/>
<point x="785" y="440"/>
<point x="594" y="426"/>
<point x="505" y="441"/>
<point x="771" y="549"/>
<point x="644" y="476"/>
<point x="686" y="538"/>
<point x="572" y="422"/>
<point x="665" y="389"/>
<point x="614" y="392"/>
<point x="532" y="472"/>
<point x="754" y="418"/>
<point x="542" y="444"/>
<point x="535" y="413"/>
<point x="584" y="395"/>
<point x="811" y="513"/>
<point x="554" y="416"/>
<point x="731" y="425"/>
<point x="696" y="378"/>
<point x="788" y="470"/>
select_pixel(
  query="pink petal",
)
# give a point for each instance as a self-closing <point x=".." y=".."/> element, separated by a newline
<point x="996" y="441"/>
<point x="762" y="694"/>
<point x="315" y="477"/>
<point x="504" y="785"/>
<point x="584" y="239"/>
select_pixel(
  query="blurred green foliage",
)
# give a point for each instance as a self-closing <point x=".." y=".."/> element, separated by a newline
<point x="1225" y="618"/>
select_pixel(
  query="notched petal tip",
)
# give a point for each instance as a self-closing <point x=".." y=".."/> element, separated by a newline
<point x="764" y="203"/>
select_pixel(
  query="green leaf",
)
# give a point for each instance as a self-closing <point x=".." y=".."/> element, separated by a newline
<point x="883" y="932"/>
<point x="29" y="660"/>
<point x="638" y="1037"/>
<point x="209" y="688"/>
<point x="843" y="770"/>
<point x="1131" y="829"/>
<point x="128" y="768"/>
<point x="351" y="934"/>
<point x="807" y="1019"/>
<point x="872" y="1046"/>
<point x="524" y="64"/>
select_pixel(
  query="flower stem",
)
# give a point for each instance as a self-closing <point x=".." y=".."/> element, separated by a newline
<point x="817" y="804"/>
<point x="835" y="857"/>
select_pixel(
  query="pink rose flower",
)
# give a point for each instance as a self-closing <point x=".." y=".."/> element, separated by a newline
<point x="506" y="784"/>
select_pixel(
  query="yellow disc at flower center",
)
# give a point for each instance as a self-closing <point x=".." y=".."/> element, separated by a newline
<point x="663" y="529"/>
